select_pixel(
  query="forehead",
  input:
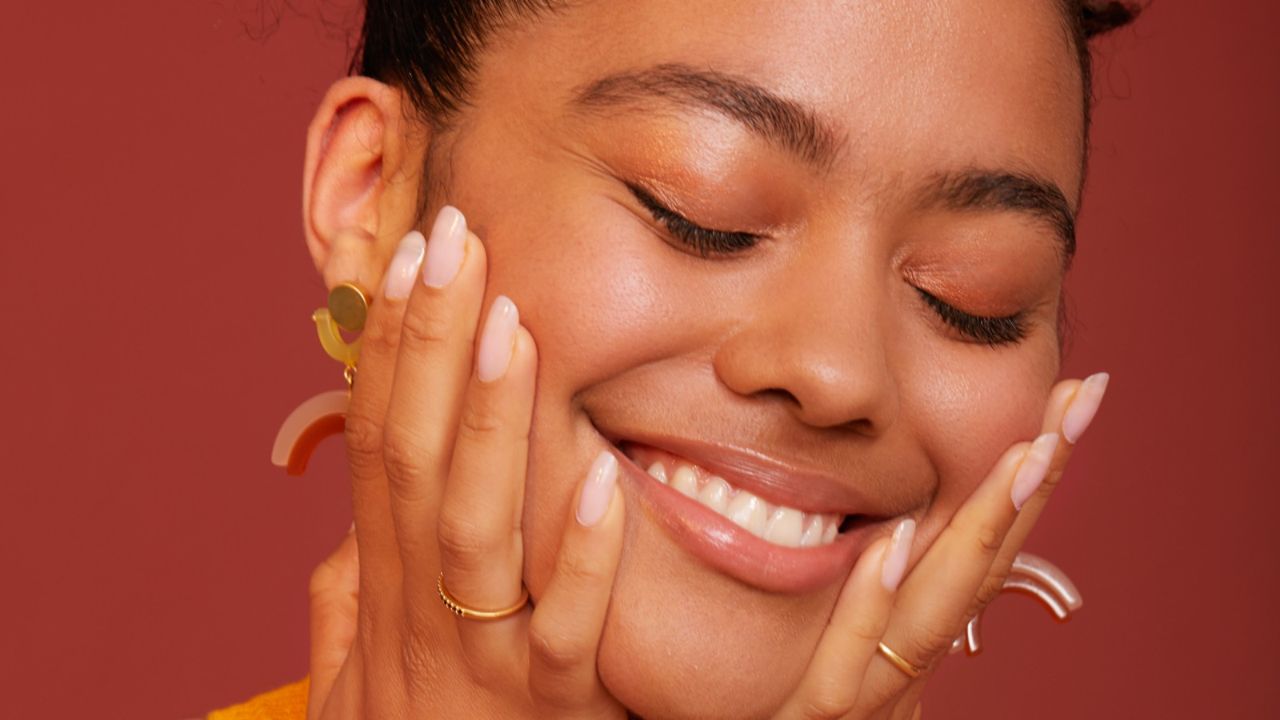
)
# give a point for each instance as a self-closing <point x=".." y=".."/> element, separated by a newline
<point x="911" y="88"/>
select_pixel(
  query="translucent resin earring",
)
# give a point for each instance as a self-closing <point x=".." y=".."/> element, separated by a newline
<point x="325" y="414"/>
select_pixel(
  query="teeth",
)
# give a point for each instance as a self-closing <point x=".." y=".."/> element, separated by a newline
<point x="785" y="526"/>
<point x="749" y="512"/>
<point x="685" y="481"/>
<point x="830" y="533"/>
<point x="715" y="494"/>
<point x="658" y="472"/>
<point x="812" y="532"/>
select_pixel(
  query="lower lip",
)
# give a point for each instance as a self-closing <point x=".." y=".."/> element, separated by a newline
<point x="718" y="542"/>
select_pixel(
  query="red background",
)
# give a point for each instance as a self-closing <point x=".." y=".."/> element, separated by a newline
<point x="156" y="301"/>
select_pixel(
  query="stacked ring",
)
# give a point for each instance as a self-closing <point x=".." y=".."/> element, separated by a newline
<point x="899" y="661"/>
<point x="469" y="613"/>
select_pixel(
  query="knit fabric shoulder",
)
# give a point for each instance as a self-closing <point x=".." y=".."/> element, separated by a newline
<point x="284" y="703"/>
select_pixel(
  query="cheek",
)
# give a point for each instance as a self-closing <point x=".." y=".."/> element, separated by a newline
<point x="969" y="405"/>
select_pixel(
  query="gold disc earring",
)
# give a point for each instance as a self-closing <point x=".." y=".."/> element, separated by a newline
<point x="326" y="413"/>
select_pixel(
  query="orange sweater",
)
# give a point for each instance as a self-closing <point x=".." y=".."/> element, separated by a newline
<point x="286" y="703"/>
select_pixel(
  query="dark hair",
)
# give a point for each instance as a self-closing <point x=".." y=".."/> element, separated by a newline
<point x="428" y="48"/>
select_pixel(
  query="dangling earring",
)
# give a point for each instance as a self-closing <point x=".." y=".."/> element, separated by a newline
<point x="325" y="414"/>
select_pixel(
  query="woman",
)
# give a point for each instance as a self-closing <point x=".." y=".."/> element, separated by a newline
<point x="788" y="278"/>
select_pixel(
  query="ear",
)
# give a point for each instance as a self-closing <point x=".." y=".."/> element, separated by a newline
<point x="361" y="179"/>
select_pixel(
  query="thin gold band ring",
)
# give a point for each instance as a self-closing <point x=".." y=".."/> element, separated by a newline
<point x="899" y="661"/>
<point x="468" y="613"/>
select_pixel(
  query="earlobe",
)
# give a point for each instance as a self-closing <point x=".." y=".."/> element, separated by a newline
<point x="352" y="215"/>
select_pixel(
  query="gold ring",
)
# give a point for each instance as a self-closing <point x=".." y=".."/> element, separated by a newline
<point x="899" y="661"/>
<point x="463" y="611"/>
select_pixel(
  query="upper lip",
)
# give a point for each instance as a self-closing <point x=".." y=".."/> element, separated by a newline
<point x="782" y="482"/>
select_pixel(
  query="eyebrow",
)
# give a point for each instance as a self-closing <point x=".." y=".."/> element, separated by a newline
<point x="776" y="119"/>
<point x="801" y="131"/>
<point x="1001" y="191"/>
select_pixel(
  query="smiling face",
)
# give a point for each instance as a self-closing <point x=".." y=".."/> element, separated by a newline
<point x="876" y="176"/>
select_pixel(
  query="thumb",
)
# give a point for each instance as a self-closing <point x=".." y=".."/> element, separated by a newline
<point x="335" y="592"/>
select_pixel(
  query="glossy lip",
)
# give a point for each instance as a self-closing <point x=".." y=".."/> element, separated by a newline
<point x="721" y="544"/>
<point x="781" y="483"/>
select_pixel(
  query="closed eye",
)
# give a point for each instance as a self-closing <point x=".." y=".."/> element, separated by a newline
<point x="704" y="241"/>
<point x="1002" y="330"/>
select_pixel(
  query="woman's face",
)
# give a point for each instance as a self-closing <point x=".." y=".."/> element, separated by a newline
<point x="854" y="154"/>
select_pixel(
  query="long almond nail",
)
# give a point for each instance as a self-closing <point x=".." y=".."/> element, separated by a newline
<point x="1084" y="406"/>
<point x="498" y="340"/>
<point x="895" y="560"/>
<point x="446" y="247"/>
<point x="404" y="266"/>
<point x="1034" y="467"/>
<point x="597" y="491"/>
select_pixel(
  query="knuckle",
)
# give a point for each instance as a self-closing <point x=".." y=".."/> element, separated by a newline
<point x="403" y="455"/>
<point x="864" y="630"/>
<point x="581" y="572"/>
<point x="363" y="435"/>
<point x="416" y="666"/>
<point x="988" y="539"/>
<point x="480" y="420"/>
<point x="425" y="329"/>
<point x="465" y="543"/>
<point x="380" y="337"/>
<point x="556" y="651"/>
<point x="925" y="643"/>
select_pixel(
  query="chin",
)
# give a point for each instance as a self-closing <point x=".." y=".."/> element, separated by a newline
<point x="684" y="640"/>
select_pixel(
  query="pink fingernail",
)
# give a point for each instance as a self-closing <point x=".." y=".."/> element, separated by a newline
<point x="498" y="340"/>
<point x="404" y="266"/>
<point x="597" y="491"/>
<point x="446" y="247"/>
<point x="1084" y="406"/>
<point x="895" y="561"/>
<point x="1034" y="467"/>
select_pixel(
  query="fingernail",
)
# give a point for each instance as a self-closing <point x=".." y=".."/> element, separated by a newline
<point x="597" y="491"/>
<point x="498" y="340"/>
<point x="1035" y="465"/>
<point x="404" y="266"/>
<point x="446" y="247"/>
<point x="895" y="561"/>
<point x="1084" y="406"/>
<point x="352" y="528"/>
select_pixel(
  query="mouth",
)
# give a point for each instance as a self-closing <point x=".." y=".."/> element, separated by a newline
<point x="763" y="523"/>
<point x="774" y="523"/>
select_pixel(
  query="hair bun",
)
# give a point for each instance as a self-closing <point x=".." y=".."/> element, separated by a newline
<point x="1102" y="16"/>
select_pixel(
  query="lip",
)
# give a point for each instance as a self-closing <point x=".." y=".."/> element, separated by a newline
<point x="782" y="483"/>
<point x="721" y="544"/>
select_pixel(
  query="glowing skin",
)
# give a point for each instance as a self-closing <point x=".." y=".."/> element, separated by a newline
<point x="812" y="347"/>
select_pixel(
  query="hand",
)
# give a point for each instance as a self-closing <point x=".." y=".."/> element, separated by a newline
<point x="438" y="444"/>
<point x="956" y="578"/>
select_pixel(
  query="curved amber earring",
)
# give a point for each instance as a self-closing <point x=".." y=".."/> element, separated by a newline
<point x="325" y="414"/>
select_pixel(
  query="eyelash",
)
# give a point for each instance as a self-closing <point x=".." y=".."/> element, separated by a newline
<point x="993" y="331"/>
<point x="704" y="241"/>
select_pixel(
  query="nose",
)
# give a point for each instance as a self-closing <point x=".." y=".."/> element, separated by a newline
<point x="815" y="345"/>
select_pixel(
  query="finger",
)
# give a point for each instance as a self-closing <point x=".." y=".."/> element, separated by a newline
<point x="481" y="551"/>
<point x="1069" y="398"/>
<point x="366" y="413"/>
<point x="564" y="634"/>
<point x="433" y="362"/>
<point x="829" y="687"/>
<point x="1072" y="406"/>
<point x="334" y="594"/>
<point x="936" y="598"/>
